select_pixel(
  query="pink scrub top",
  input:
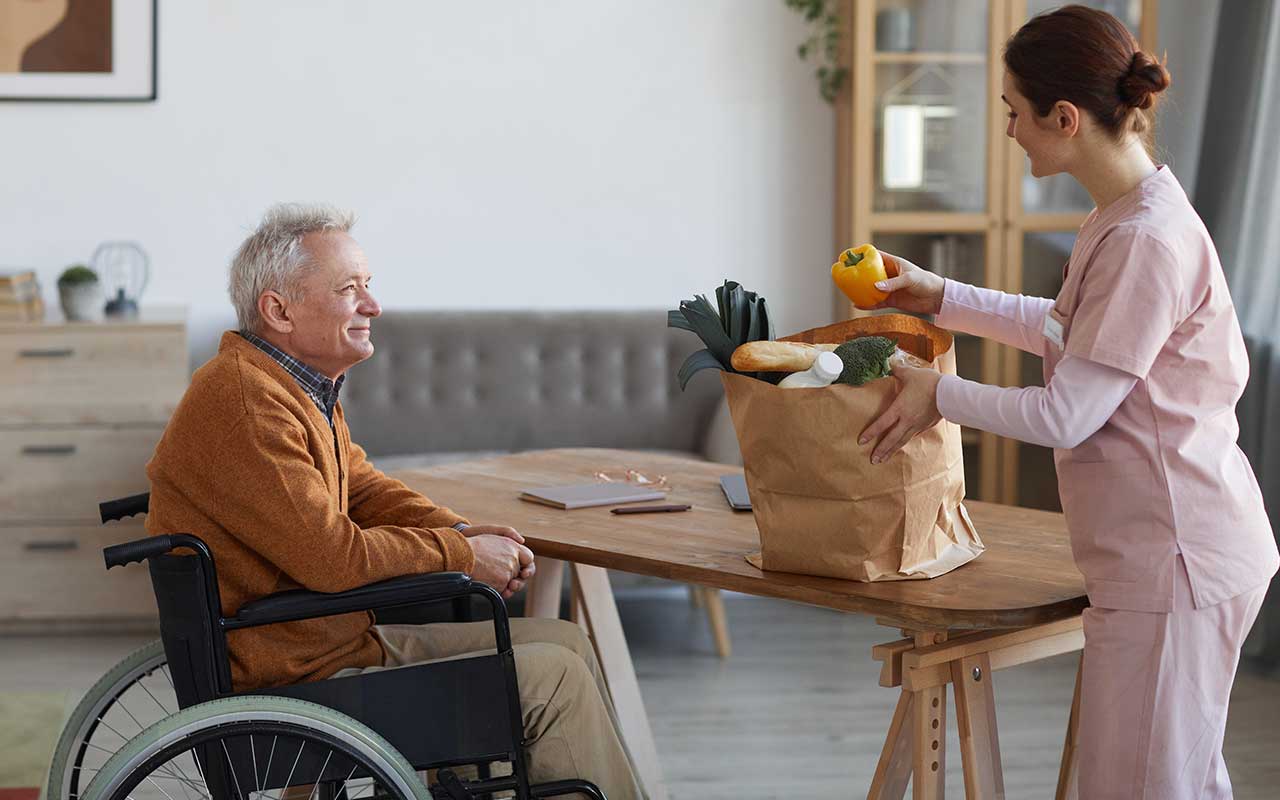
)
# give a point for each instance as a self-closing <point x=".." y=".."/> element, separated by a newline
<point x="1144" y="292"/>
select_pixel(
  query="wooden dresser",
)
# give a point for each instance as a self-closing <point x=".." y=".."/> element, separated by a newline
<point x="82" y="406"/>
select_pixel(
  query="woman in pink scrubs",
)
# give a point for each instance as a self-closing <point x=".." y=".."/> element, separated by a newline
<point x="1143" y="364"/>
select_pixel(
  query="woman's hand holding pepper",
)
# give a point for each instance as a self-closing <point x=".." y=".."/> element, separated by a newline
<point x="910" y="288"/>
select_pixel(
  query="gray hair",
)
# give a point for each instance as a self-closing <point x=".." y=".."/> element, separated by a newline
<point x="273" y="258"/>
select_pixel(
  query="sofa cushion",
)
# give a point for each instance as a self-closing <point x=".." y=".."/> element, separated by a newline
<point x="505" y="381"/>
<point x="425" y="460"/>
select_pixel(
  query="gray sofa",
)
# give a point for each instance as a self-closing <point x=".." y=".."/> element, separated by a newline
<point x="450" y="385"/>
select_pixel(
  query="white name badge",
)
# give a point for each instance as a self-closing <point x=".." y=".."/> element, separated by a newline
<point x="1053" y="330"/>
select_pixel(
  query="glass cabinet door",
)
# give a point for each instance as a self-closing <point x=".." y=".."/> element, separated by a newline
<point x="930" y="148"/>
<point x="1061" y="194"/>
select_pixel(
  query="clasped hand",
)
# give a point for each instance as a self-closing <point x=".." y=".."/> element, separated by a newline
<point x="501" y="558"/>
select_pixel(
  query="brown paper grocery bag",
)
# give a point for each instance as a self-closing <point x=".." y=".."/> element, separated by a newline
<point x="821" y="506"/>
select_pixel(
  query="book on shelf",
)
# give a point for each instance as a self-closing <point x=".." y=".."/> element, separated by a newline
<point x="19" y="293"/>
<point x="16" y="283"/>
<point x="7" y="275"/>
<point x="20" y="298"/>
<point x="31" y="310"/>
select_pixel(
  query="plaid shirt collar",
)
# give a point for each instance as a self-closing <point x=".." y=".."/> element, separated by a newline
<point x="319" y="388"/>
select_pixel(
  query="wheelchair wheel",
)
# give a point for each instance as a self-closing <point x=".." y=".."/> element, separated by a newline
<point x="133" y="694"/>
<point x="255" y="746"/>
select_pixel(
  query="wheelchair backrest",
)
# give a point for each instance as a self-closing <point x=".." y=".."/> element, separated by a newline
<point x="194" y="642"/>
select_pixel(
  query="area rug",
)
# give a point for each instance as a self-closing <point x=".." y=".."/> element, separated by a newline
<point x="29" y="726"/>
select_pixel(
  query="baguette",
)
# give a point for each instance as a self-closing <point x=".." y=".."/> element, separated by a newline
<point x="776" y="356"/>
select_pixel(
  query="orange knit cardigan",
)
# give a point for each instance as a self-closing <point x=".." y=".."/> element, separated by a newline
<point x="247" y="463"/>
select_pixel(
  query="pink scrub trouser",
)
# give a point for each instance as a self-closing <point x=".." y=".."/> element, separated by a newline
<point x="1153" y="697"/>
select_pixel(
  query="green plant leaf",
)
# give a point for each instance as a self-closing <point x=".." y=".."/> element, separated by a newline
<point x="705" y="322"/>
<point x="754" y="319"/>
<point x="822" y="17"/>
<point x="77" y="274"/>
<point x="696" y="362"/>
<point x="722" y="302"/>
<point x="739" y="316"/>
<point x="675" y="319"/>
<point x="737" y="310"/>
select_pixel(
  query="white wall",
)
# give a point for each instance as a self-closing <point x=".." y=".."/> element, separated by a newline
<point x="571" y="154"/>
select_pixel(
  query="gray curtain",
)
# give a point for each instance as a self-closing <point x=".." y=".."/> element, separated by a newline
<point x="1238" y="195"/>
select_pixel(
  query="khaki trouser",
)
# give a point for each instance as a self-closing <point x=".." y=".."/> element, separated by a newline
<point x="570" y="727"/>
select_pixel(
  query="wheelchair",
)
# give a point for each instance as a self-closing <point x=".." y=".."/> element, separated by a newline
<point x="363" y="736"/>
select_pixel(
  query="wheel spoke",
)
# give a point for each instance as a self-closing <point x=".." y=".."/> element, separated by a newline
<point x="289" y="780"/>
<point x="232" y="765"/>
<point x="253" y="756"/>
<point x="164" y="670"/>
<point x="185" y="778"/>
<point x="100" y="748"/>
<point x="119" y="703"/>
<point x="152" y="781"/>
<point x="102" y="723"/>
<point x="319" y="775"/>
<point x="270" y="756"/>
<point x="199" y="769"/>
<point x="166" y="711"/>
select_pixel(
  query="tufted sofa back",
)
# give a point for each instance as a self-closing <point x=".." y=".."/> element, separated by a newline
<point x="454" y="381"/>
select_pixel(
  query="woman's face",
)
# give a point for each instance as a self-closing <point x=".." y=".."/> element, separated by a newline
<point x="1046" y="139"/>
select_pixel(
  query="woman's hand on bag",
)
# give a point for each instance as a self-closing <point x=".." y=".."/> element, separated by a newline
<point x="910" y="288"/>
<point x="913" y="411"/>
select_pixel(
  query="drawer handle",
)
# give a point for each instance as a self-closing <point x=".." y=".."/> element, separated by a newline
<point x="55" y="545"/>
<point x="56" y="352"/>
<point x="48" y="449"/>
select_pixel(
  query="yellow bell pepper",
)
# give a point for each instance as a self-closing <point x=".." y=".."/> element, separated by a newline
<point x="856" y="273"/>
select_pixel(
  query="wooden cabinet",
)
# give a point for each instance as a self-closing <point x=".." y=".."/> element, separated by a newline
<point x="82" y="406"/>
<point x="924" y="170"/>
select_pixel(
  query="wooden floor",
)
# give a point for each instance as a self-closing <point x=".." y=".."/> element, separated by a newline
<point x="795" y="713"/>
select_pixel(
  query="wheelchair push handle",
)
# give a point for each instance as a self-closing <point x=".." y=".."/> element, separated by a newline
<point x="124" y="507"/>
<point x="138" y="550"/>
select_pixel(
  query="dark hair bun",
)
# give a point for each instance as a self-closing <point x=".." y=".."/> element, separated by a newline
<point x="1146" y="78"/>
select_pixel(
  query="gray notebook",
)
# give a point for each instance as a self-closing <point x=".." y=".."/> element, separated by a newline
<point x="590" y="494"/>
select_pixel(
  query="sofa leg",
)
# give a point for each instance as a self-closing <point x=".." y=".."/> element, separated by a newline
<point x="714" y="604"/>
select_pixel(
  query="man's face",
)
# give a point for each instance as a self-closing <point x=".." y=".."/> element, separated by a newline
<point x="334" y="307"/>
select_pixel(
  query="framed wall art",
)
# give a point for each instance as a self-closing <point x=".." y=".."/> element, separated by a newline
<point x="77" y="50"/>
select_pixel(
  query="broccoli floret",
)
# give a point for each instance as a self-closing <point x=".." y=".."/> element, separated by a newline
<point x="865" y="359"/>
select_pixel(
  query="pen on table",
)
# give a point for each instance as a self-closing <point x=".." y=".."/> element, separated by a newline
<point x="649" y="509"/>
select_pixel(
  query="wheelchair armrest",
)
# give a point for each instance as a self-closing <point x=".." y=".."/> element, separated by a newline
<point x="298" y="604"/>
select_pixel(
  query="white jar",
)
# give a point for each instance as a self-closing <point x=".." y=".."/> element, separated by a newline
<point x="826" y="368"/>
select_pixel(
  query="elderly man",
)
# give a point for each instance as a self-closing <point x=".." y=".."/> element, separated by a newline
<point x="257" y="461"/>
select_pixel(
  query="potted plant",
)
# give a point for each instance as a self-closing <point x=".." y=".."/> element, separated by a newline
<point x="80" y="294"/>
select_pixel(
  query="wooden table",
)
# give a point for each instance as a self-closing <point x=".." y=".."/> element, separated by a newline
<point x="1019" y="601"/>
